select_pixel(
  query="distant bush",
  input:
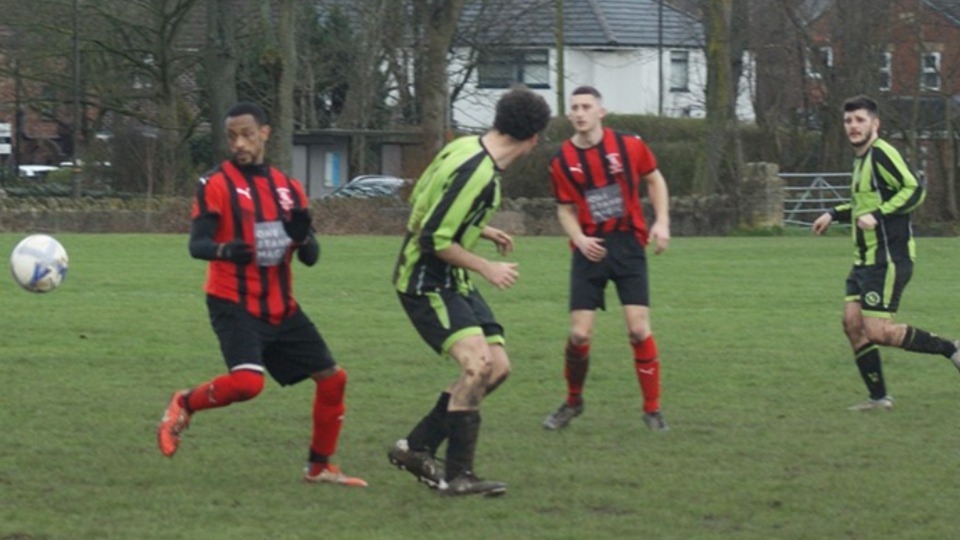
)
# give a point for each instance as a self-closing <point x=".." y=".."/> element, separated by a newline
<point x="678" y="144"/>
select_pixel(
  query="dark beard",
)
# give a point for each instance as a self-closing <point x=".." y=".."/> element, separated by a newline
<point x="862" y="143"/>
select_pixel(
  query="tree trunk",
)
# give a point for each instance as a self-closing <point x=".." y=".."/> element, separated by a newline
<point x="950" y="160"/>
<point x="439" y="20"/>
<point x="720" y="91"/>
<point x="285" y="73"/>
<point x="220" y="64"/>
<point x="363" y="79"/>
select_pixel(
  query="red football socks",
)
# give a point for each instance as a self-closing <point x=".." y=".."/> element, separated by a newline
<point x="328" y="409"/>
<point x="647" y="365"/>
<point x="236" y="386"/>
<point x="576" y="362"/>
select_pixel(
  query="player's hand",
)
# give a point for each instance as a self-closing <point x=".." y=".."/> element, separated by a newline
<point x="501" y="275"/>
<point x="502" y="240"/>
<point x="822" y="223"/>
<point x="660" y="234"/>
<point x="297" y="225"/>
<point x="236" y="251"/>
<point x="591" y="247"/>
<point x="867" y="222"/>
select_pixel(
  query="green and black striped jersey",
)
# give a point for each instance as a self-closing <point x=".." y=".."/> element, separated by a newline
<point x="882" y="185"/>
<point x="452" y="202"/>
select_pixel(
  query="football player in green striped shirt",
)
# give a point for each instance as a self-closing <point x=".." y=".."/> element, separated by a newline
<point x="883" y="194"/>
<point x="453" y="202"/>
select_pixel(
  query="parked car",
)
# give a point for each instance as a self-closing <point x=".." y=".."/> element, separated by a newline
<point x="35" y="172"/>
<point x="369" y="185"/>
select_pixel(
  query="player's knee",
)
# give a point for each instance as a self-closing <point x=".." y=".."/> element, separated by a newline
<point x="499" y="371"/>
<point x="580" y="337"/>
<point x="853" y="328"/>
<point x="477" y="371"/>
<point x="499" y="360"/>
<point x="481" y="368"/>
<point x="247" y="384"/>
<point x="638" y="335"/>
<point x="878" y="334"/>
<point x="496" y="382"/>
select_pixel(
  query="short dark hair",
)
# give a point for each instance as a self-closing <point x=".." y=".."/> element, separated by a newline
<point x="245" y="107"/>
<point x="857" y="103"/>
<point x="586" y="90"/>
<point x="521" y="114"/>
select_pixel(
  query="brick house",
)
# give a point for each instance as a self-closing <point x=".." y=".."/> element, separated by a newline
<point x="909" y="61"/>
<point x="33" y="138"/>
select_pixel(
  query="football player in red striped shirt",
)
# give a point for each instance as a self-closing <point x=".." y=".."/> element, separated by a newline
<point x="596" y="177"/>
<point x="249" y="219"/>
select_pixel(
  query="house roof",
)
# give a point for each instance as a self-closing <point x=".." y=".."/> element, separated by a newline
<point x="948" y="8"/>
<point x="812" y="9"/>
<point x="587" y="23"/>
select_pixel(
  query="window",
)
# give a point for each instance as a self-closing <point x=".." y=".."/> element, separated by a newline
<point x="930" y="74"/>
<point x="885" y="75"/>
<point x="679" y="71"/>
<point x="504" y="68"/>
<point x="142" y="78"/>
<point x="819" y="62"/>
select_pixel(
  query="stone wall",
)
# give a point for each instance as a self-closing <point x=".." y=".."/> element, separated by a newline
<point x="64" y="214"/>
<point x="703" y="216"/>
<point x="760" y="205"/>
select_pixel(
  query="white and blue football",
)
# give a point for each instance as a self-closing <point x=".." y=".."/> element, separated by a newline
<point x="39" y="263"/>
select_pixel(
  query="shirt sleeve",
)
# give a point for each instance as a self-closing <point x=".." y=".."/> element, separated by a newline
<point x="564" y="189"/>
<point x="210" y="197"/>
<point x="842" y="213"/>
<point x="645" y="161"/>
<point x="891" y="169"/>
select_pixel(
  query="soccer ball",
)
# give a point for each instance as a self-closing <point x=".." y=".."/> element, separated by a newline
<point x="39" y="263"/>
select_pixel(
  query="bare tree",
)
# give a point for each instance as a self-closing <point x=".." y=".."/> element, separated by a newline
<point x="220" y="66"/>
<point x="437" y="22"/>
<point x="279" y="58"/>
<point x="376" y="21"/>
<point x="39" y="58"/>
<point x="326" y="52"/>
<point x="139" y="51"/>
<point x="495" y="24"/>
<point x="402" y="47"/>
<point x="725" y="23"/>
<point x="775" y="43"/>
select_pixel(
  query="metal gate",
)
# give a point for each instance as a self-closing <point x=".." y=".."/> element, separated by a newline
<point x="807" y="195"/>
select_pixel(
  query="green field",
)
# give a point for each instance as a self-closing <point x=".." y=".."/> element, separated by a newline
<point x="757" y="378"/>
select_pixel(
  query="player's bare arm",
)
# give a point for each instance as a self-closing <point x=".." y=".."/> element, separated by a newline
<point x="503" y="241"/>
<point x="501" y="275"/>
<point x="659" y="196"/>
<point x="591" y="247"/>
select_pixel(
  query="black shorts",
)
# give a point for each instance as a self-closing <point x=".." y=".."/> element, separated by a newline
<point x="878" y="288"/>
<point x="444" y="317"/>
<point x="290" y="351"/>
<point x="625" y="265"/>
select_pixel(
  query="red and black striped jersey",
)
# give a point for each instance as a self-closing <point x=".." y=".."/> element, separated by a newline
<point x="603" y="182"/>
<point x="251" y="202"/>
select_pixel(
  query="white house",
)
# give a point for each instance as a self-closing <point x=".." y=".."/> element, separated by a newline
<point x="644" y="56"/>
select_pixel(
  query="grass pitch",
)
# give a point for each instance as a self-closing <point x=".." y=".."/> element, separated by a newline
<point x="757" y="377"/>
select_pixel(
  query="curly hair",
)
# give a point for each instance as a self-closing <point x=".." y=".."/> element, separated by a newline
<point x="521" y="114"/>
<point x="245" y="107"/>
